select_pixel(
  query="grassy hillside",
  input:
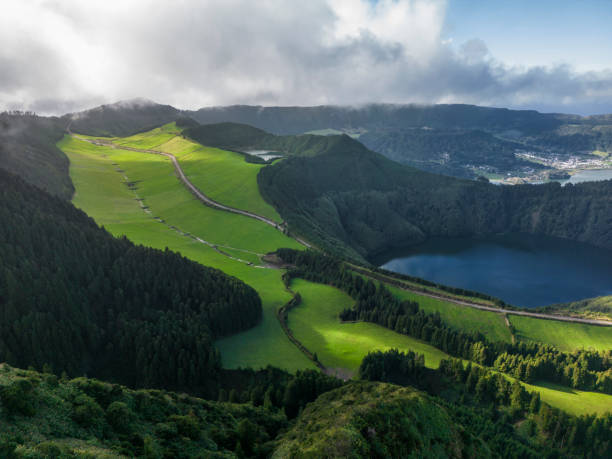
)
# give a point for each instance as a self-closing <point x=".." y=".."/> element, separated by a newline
<point x="490" y="324"/>
<point x="222" y="175"/>
<point x="600" y="307"/>
<point x="27" y="148"/>
<point x="565" y="336"/>
<point x="315" y="323"/>
<point x="43" y="417"/>
<point x="103" y="193"/>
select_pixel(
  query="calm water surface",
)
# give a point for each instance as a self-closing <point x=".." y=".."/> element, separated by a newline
<point x="523" y="270"/>
<point x="594" y="175"/>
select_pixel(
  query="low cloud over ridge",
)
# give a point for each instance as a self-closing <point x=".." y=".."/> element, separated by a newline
<point x="60" y="56"/>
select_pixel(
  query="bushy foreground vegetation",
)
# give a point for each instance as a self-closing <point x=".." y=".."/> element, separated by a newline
<point x="77" y="299"/>
<point x="42" y="416"/>
<point x="512" y="421"/>
<point x="583" y="369"/>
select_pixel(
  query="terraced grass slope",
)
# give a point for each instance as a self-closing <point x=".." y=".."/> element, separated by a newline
<point x="566" y="336"/>
<point x="103" y="193"/>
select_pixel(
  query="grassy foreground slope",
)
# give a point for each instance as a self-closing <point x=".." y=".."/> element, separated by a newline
<point x="43" y="417"/>
<point x="102" y="192"/>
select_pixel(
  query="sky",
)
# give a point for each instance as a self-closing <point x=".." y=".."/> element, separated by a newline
<point x="59" y="56"/>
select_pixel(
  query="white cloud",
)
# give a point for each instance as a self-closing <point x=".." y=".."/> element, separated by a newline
<point x="58" y="56"/>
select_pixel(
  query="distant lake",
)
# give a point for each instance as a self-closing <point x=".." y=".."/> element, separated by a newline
<point x="523" y="270"/>
<point x="589" y="176"/>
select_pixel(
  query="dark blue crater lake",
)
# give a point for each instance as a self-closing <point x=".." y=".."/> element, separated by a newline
<point x="523" y="270"/>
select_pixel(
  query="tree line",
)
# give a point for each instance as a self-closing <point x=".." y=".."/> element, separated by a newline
<point x="76" y="299"/>
<point x="582" y="369"/>
<point x="488" y="404"/>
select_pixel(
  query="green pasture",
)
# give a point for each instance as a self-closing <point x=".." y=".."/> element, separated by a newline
<point x="573" y="401"/>
<point x="222" y="175"/>
<point x="102" y="193"/>
<point x="316" y="325"/>
<point x="150" y="140"/>
<point x="490" y="324"/>
<point x="567" y="336"/>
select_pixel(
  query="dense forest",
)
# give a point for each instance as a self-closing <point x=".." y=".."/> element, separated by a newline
<point x="354" y="202"/>
<point x="488" y="405"/>
<point x="582" y="369"/>
<point x="76" y="299"/>
<point x="27" y="148"/>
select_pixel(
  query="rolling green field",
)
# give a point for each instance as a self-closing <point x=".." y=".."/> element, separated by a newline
<point x="102" y="193"/>
<point x="99" y="175"/>
<point x="222" y="175"/>
<point x="315" y="323"/>
<point x="566" y="336"/>
<point x="490" y="324"/>
<point x="573" y="400"/>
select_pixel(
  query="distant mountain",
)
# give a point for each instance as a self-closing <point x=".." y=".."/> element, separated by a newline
<point x="354" y="202"/>
<point x="122" y="118"/>
<point x="297" y="120"/>
<point x="448" y="139"/>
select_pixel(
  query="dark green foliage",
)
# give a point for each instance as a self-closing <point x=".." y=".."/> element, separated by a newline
<point x="18" y="398"/>
<point x="242" y="137"/>
<point x="119" y="417"/>
<point x="276" y="389"/>
<point x="27" y="148"/>
<point x="143" y="423"/>
<point x="487" y="405"/>
<point x="355" y="203"/>
<point x="87" y="412"/>
<point x="393" y="366"/>
<point x="369" y="420"/>
<point x="101" y="306"/>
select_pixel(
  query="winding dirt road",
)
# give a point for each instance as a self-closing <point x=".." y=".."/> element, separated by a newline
<point x="191" y="187"/>
<point x="538" y="315"/>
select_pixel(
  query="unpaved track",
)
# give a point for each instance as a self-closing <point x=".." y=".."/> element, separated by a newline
<point x="212" y="203"/>
<point x="194" y="190"/>
<point x="537" y="315"/>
